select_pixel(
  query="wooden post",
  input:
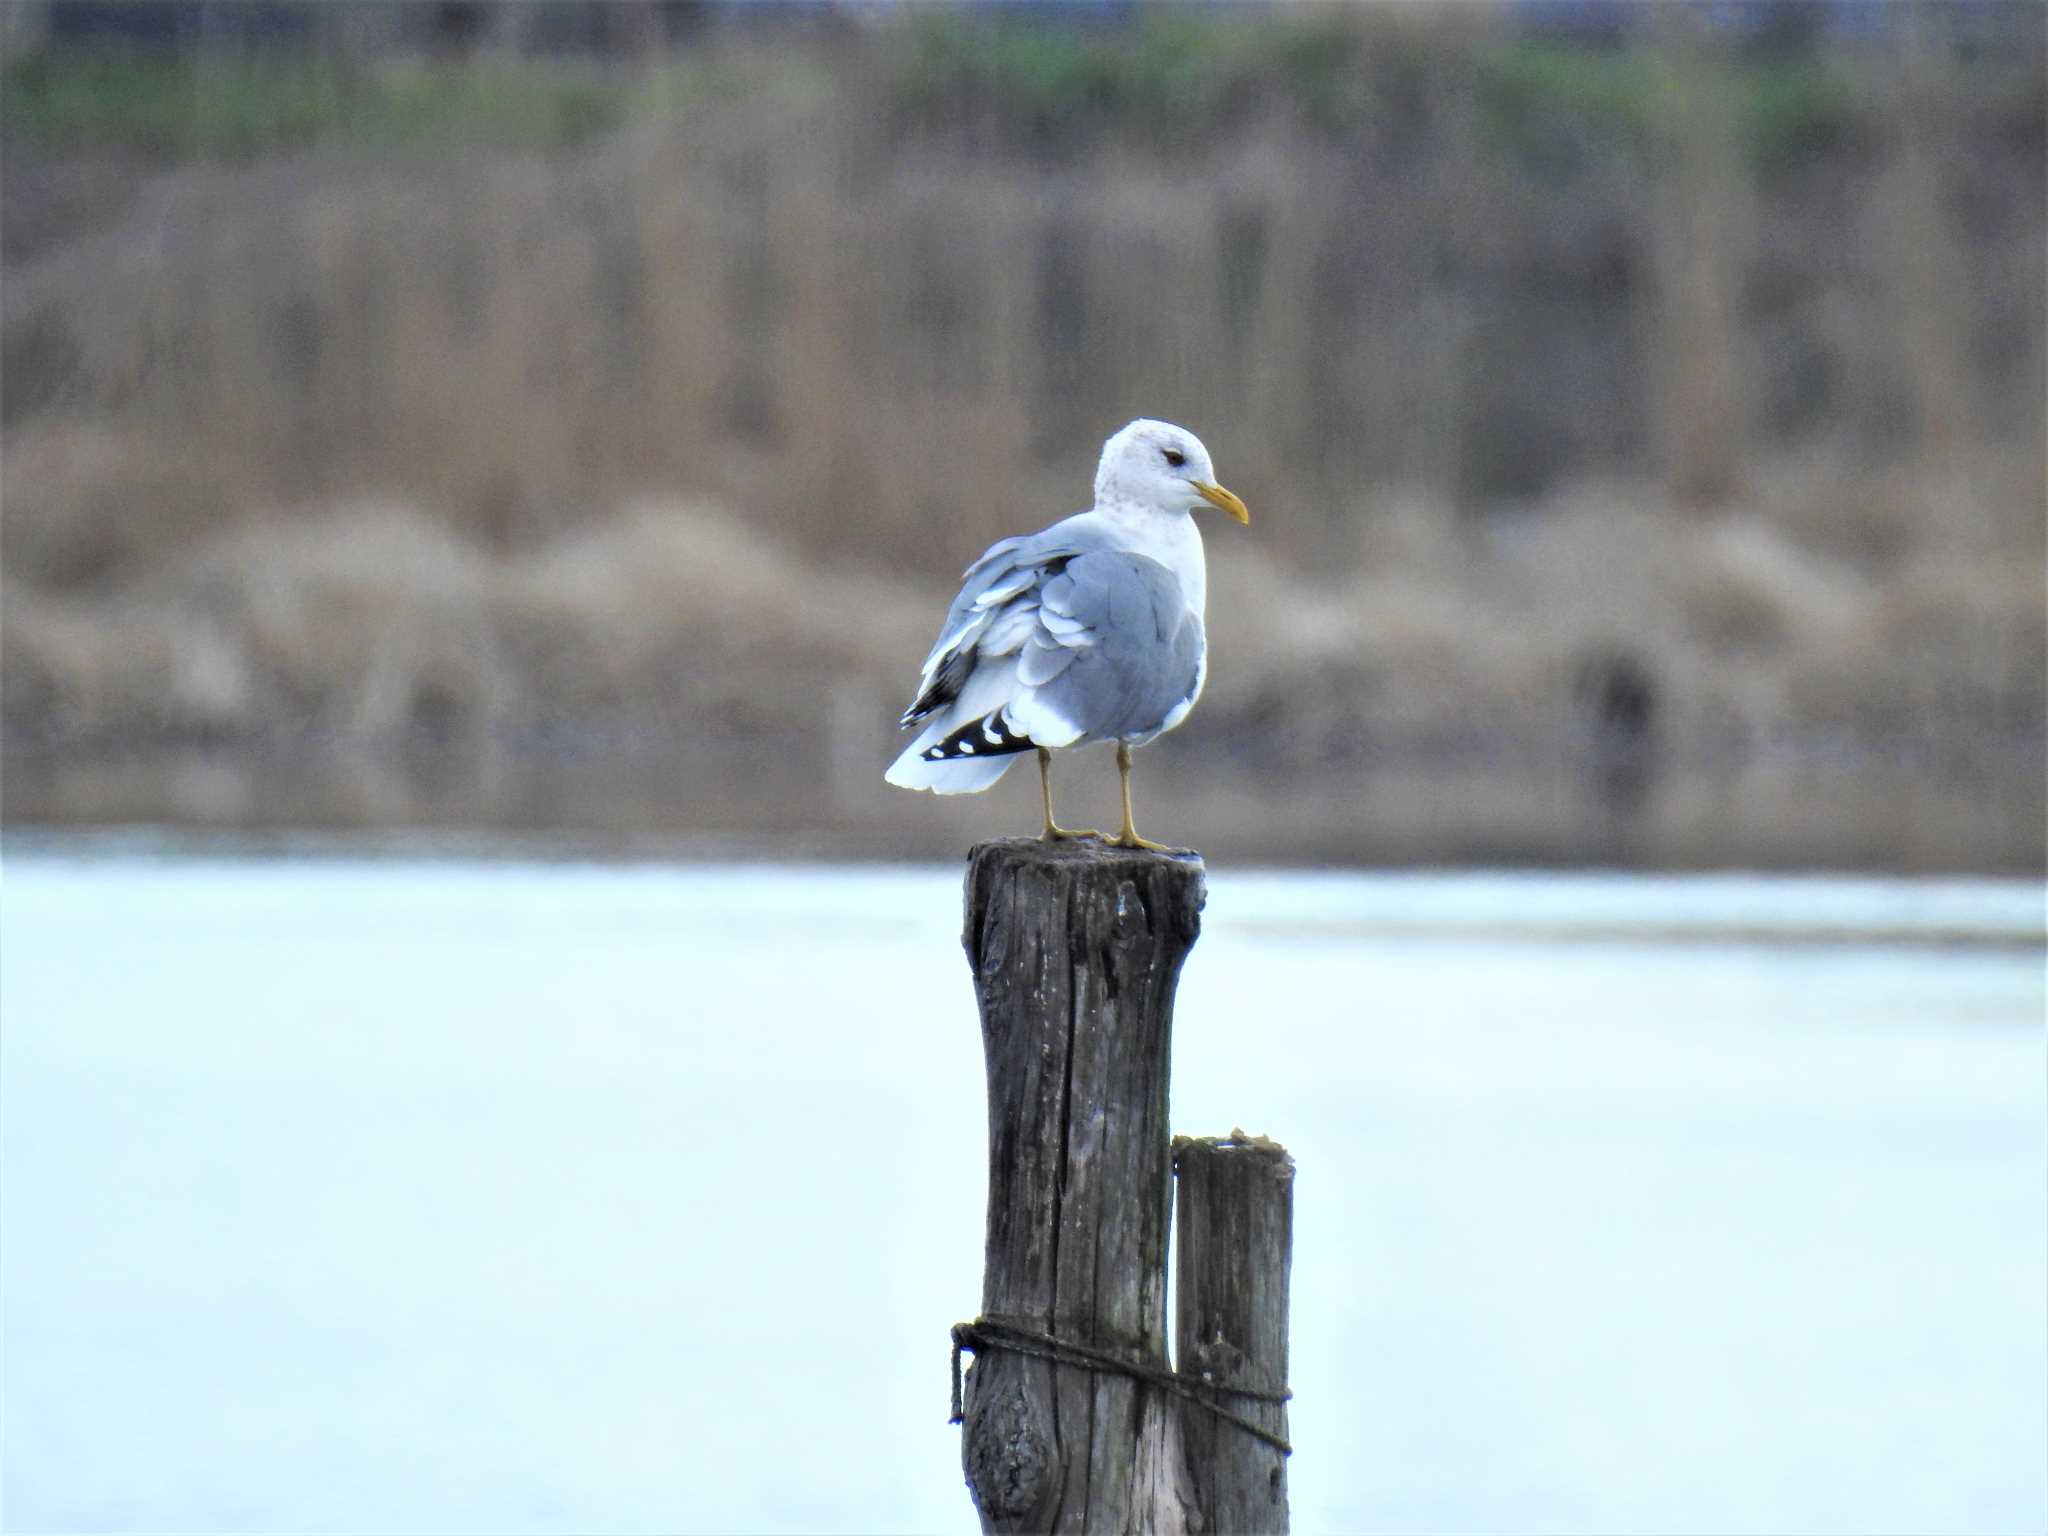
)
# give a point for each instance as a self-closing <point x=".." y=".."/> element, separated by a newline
<point x="1073" y="1418"/>
<point x="1075" y="949"/>
<point x="1235" y="1250"/>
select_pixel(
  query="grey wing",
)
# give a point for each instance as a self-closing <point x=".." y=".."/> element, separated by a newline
<point x="993" y="615"/>
<point x="1115" y="652"/>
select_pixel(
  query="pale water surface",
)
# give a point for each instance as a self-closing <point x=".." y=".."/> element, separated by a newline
<point x="498" y="1196"/>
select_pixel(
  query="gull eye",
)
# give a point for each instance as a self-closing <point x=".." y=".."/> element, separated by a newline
<point x="1175" y="457"/>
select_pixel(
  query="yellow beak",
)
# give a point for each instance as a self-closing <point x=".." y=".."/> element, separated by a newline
<point x="1216" y="496"/>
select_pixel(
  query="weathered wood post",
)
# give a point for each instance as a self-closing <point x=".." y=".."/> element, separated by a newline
<point x="1235" y="1253"/>
<point x="1074" y="1420"/>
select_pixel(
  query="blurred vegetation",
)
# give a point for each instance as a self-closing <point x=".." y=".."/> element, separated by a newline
<point x="1543" y="101"/>
<point x="1178" y="77"/>
<point x="248" y="104"/>
<point x="1645" y="431"/>
<point x="1170" y="76"/>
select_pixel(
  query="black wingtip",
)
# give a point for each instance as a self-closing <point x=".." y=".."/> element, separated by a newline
<point x="990" y="736"/>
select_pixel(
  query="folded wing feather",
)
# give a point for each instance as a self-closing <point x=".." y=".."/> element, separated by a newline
<point x="1063" y="641"/>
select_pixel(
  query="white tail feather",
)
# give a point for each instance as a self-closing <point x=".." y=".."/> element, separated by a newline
<point x="990" y="685"/>
<point x="950" y="776"/>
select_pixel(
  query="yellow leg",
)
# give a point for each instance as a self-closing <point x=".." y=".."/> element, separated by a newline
<point x="1128" y="838"/>
<point x="1053" y="830"/>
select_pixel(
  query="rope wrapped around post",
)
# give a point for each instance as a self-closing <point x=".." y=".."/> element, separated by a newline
<point x="982" y="1335"/>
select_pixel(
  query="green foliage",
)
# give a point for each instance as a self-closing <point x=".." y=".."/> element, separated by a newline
<point x="1792" y="106"/>
<point x="1546" y="101"/>
<point x="1169" y="75"/>
<point x="1175" y="76"/>
<point x="238" y="105"/>
<point x="1161" y="77"/>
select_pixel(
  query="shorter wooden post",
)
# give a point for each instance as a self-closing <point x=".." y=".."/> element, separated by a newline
<point x="1236" y="1219"/>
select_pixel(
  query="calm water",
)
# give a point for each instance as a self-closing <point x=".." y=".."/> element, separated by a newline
<point x="527" y="1197"/>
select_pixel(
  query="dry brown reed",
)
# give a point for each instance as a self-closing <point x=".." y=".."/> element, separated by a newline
<point x="1657" y="502"/>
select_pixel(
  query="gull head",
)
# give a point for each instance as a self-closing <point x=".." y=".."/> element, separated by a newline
<point x="1158" y="467"/>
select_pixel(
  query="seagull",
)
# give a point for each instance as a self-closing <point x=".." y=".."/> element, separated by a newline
<point x="1087" y="631"/>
